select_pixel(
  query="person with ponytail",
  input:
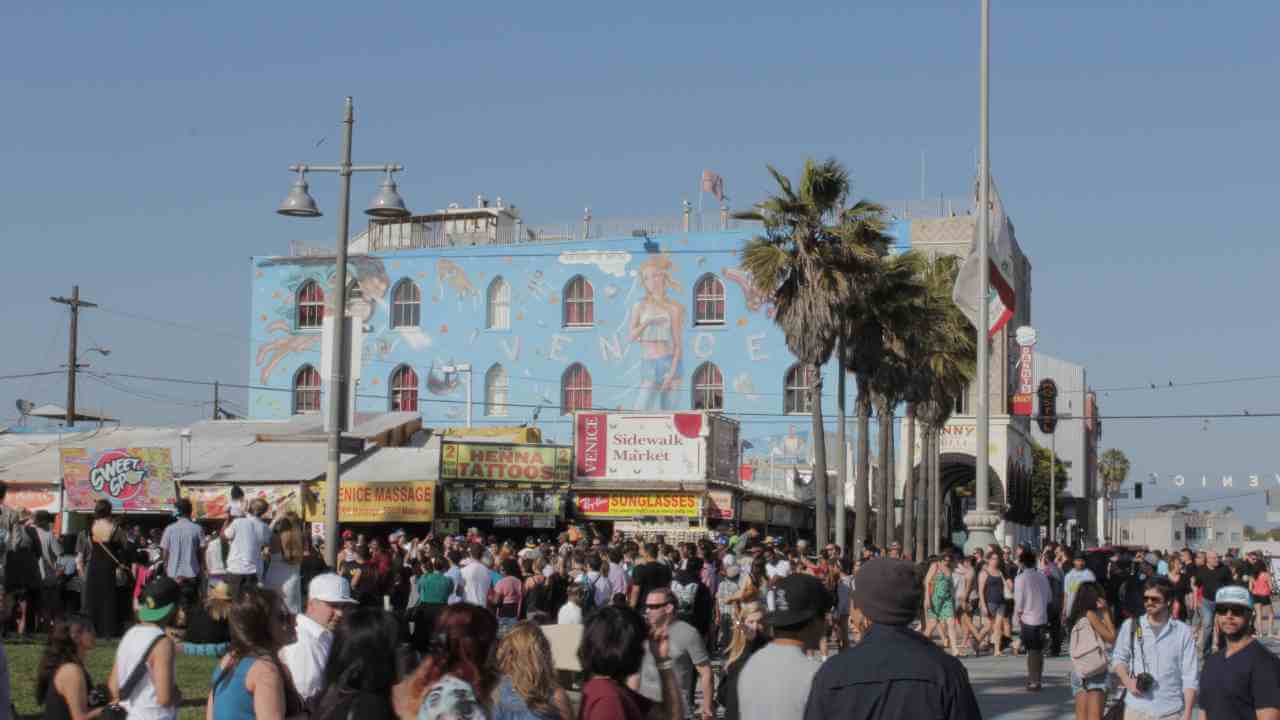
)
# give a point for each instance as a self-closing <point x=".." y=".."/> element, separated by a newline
<point x="251" y="682"/>
<point x="62" y="681"/>
<point x="362" y="667"/>
<point x="458" y="676"/>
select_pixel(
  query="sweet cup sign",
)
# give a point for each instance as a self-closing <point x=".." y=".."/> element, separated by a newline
<point x="129" y="478"/>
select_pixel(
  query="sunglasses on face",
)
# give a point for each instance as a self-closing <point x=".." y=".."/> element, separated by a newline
<point x="655" y="606"/>
<point x="1232" y="610"/>
<point x="1152" y="599"/>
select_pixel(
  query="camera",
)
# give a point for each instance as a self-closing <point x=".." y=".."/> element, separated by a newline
<point x="1145" y="682"/>
<point x="99" y="697"/>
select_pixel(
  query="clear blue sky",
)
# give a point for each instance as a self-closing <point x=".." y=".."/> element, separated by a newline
<point x="146" y="147"/>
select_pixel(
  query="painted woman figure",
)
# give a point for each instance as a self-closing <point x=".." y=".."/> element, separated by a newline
<point x="657" y="323"/>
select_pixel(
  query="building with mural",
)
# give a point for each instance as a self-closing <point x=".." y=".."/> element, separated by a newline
<point x="466" y="309"/>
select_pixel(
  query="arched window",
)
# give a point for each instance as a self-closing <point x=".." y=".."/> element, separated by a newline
<point x="306" y="390"/>
<point x="404" y="389"/>
<point x="498" y="316"/>
<point x="310" y="305"/>
<point x="575" y="389"/>
<point x="708" y="388"/>
<point x="708" y="301"/>
<point x="406" y="304"/>
<point x="496" y="389"/>
<point x="798" y="389"/>
<point x="579" y="303"/>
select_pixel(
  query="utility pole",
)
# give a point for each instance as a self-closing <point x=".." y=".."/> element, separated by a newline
<point x="75" y="303"/>
<point x="215" y="399"/>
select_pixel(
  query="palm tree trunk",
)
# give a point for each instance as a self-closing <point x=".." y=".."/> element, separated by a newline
<point x="935" y="468"/>
<point x="819" y="440"/>
<point x="892" y="479"/>
<point x="884" y="488"/>
<point x="909" y="485"/>
<point x="926" y="505"/>
<point x="842" y="462"/>
<point x="861" y="487"/>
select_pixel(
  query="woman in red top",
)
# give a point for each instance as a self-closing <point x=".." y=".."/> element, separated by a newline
<point x="612" y="650"/>
<point x="507" y="596"/>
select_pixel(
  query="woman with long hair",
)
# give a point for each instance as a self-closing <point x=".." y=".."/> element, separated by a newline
<point x="457" y="677"/>
<point x="748" y="636"/>
<point x="208" y="629"/>
<point x="612" y="650"/>
<point x="507" y="596"/>
<point x="656" y="323"/>
<point x="251" y="682"/>
<point x="362" y="667"/>
<point x="528" y="689"/>
<point x="285" y="561"/>
<point x="991" y="601"/>
<point x="104" y="549"/>
<point x="62" y="680"/>
<point x="1090" y="606"/>
<point x="1181" y="587"/>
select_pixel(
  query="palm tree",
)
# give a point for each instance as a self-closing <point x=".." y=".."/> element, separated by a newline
<point x="805" y="264"/>
<point x="1114" y="468"/>
<point x="949" y="363"/>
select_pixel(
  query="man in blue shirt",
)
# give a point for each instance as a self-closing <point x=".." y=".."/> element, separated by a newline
<point x="1156" y="660"/>
<point x="180" y="550"/>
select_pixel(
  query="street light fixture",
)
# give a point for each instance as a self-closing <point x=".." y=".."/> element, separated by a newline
<point x="462" y="368"/>
<point x="299" y="203"/>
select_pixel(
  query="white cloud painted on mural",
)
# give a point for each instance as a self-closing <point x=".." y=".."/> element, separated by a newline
<point x="743" y="385"/>
<point x="610" y="262"/>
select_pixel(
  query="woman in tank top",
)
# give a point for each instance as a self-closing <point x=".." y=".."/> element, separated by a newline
<point x="991" y="603"/>
<point x="63" y="682"/>
<point x="251" y="682"/>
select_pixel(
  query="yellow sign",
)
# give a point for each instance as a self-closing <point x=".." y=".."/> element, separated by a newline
<point x="410" y="501"/>
<point x="493" y="462"/>
<point x="630" y="505"/>
<point x="518" y="435"/>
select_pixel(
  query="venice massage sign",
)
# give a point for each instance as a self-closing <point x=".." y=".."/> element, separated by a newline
<point x="625" y="446"/>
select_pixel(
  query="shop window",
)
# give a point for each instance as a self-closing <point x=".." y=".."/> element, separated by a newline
<point x="708" y="301"/>
<point x="708" y="388"/>
<point x="310" y="305"/>
<point x="575" y="389"/>
<point x="496" y="390"/>
<point x="579" y="303"/>
<point x="798" y="389"/>
<point x="404" y="389"/>
<point x="498" y="314"/>
<point x="406" y="304"/>
<point x="306" y="390"/>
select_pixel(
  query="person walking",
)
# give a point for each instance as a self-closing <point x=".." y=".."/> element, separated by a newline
<point x="328" y="598"/>
<point x="250" y="682"/>
<point x="900" y="673"/>
<point x="248" y="536"/>
<point x="147" y="649"/>
<point x="1242" y="680"/>
<point x="1091" y="630"/>
<point x="1155" y="659"/>
<point x="180" y="552"/>
<point x="63" y="682"/>
<point x="775" y="682"/>
<point x="991" y="603"/>
<point x="686" y="650"/>
<point x="1031" y="597"/>
<point x="1210" y="579"/>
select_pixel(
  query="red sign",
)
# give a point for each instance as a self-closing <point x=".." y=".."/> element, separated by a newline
<point x="1022" y="400"/>
<point x="592" y="445"/>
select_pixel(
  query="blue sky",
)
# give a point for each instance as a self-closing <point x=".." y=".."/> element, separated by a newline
<point x="1133" y="143"/>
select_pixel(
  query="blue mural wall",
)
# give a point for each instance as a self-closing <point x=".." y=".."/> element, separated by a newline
<point x="641" y="351"/>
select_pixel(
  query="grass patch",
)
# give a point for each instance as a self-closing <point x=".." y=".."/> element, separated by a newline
<point x="24" y="659"/>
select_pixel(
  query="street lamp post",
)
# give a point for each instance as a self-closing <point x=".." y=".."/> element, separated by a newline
<point x="299" y="203"/>
<point x="465" y="369"/>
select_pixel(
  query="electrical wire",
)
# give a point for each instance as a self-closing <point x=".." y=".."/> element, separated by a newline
<point x="41" y="373"/>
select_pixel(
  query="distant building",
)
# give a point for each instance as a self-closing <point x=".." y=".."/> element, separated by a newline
<point x="1076" y="438"/>
<point x="1174" y="530"/>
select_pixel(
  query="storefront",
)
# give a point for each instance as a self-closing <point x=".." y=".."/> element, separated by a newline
<point x="503" y="488"/>
<point x="720" y="509"/>
<point x="677" y="516"/>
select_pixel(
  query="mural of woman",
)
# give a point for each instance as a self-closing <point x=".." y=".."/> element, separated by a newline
<point x="657" y="324"/>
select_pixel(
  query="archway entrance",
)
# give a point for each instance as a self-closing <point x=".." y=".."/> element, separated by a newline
<point x="957" y="475"/>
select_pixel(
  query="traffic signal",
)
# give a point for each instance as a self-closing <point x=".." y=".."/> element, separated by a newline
<point x="1137" y="491"/>
<point x="1048" y="417"/>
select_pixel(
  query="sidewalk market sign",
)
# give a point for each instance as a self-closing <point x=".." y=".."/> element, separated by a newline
<point x="131" y="479"/>
<point x="502" y="463"/>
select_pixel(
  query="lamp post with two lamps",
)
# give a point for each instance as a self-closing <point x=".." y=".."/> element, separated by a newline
<point x="386" y="204"/>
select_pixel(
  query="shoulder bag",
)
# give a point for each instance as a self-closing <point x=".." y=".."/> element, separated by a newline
<point x="1116" y="711"/>
<point x="116" y="711"/>
<point x="124" y="577"/>
<point x="1088" y="657"/>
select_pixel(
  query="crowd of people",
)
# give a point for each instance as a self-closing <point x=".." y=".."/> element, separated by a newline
<point x="734" y="625"/>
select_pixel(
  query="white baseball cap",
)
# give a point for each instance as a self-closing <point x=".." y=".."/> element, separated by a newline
<point x="331" y="588"/>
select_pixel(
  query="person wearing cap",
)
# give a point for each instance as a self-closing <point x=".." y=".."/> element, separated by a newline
<point x="156" y="695"/>
<point x="775" y="681"/>
<point x="328" y="597"/>
<point x="1241" y="680"/>
<point x="1161" y="650"/>
<point x="894" y="672"/>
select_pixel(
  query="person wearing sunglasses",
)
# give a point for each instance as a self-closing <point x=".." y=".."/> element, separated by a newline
<point x="1242" y="680"/>
<point x="1156" y="659"/>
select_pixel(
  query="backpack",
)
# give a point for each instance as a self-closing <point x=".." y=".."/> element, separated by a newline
<point x="1088" y="656"/>
<point x="589" y="594"/>
<point x="686" y="599"/>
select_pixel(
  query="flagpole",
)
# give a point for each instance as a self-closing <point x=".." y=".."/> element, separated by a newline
<point x="981" y="522"/>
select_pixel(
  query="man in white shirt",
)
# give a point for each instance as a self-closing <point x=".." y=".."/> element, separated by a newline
<point x="249" y="536"/>
<point x="477" y="580"/>
<point x="328" y="596"/>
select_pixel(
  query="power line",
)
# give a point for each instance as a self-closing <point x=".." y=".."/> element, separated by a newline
<point x="1197" y="502"/>
<point x="41" y="373"/>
